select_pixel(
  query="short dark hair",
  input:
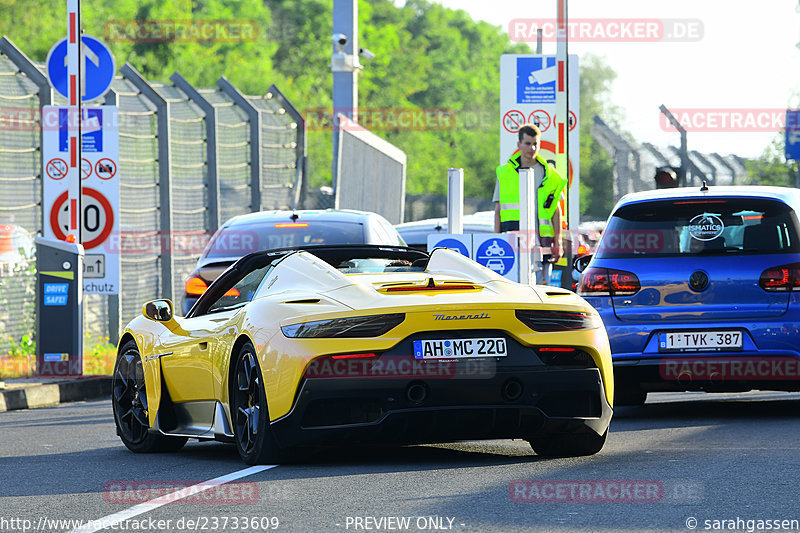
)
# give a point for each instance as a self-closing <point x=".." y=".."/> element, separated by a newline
<point x="529" y="129"/>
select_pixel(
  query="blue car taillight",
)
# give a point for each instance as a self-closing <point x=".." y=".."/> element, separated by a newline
<point x="597" y="281"/>
<point x="781" y="278"/>
<point x="351" y="327"/>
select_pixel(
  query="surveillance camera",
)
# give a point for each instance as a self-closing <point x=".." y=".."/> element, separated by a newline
<point x="340" y="38"/>
<point x="366" y="53"/>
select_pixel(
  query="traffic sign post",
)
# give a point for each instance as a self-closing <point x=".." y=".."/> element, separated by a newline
<point x="99" y="214"/>
<point x="529" y="85"/>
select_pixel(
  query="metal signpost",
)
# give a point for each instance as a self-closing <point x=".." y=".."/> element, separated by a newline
<point x="80" y="68"/>
<point x="99" y="188"/>
<point x="532" y="88"/>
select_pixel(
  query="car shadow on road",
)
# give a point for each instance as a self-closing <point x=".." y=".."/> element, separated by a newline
<point x="699" y="408"/>
<point x="389" y="458"/>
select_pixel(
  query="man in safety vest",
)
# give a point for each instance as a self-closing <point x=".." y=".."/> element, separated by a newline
<point x="549" y="186"/>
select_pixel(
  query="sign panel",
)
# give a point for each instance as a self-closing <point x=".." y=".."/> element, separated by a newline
<point x="528" y="86"/>
<point x="97" y="63"/>
<point x="793" y="134"/>
<point x="100" y="183"/>
<point x="536" y="79"/>
<point x="498" y="252"/>
<point x="462" y="243"/>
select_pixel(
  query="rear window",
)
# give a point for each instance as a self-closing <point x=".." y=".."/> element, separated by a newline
<point x="242" y="239"/>
<point x="716" y="226"/>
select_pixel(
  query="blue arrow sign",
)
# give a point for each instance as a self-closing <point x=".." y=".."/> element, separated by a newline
<point x="793" y="134"/>
<point x="98" y="68"/>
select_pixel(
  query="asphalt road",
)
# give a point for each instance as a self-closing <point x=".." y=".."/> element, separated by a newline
<point x="680" y="459"/>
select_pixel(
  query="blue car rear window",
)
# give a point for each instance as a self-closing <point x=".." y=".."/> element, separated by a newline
<point x="713" y="226"/>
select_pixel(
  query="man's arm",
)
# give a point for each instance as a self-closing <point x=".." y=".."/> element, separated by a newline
<point x="497" y="217"/>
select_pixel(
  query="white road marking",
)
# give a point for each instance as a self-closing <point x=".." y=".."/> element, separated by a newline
<point x="136" y="510"/>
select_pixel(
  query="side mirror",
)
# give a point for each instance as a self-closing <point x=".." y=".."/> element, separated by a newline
<point x="581" y="262"/>
<point x="159" y="310"/>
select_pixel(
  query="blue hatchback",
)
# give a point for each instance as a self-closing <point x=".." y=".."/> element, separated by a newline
<point x="699" y="289"/>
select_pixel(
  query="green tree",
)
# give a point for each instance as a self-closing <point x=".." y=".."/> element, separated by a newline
<point x="772" y="168"/>
<point x="597" y="167"/>
<point x="427" y="56"/>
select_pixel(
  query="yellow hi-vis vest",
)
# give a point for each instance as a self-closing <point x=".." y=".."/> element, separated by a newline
<point x="508" y="179"/>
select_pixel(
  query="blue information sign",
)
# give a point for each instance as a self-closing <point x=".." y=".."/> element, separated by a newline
<point x="454" y="244"/>
<point x="535" y="82"/>
<point x="496" y="254"/>
<point x="97" y="63"/>
<point x="56" y="293"/>
<point x="793" y="134"/>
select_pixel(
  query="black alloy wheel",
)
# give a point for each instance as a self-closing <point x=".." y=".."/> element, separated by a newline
<point x="254" y="439"/>
<point x="131" y="410"/>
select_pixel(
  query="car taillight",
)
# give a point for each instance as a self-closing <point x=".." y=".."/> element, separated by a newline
<point x="546" y="320"/>
<point x="782" y="278"/>
<point x="351" y="327"/>
<point x="195" y="286"/>
<point x="608" y="282"/>
<point x="559" y="355"/>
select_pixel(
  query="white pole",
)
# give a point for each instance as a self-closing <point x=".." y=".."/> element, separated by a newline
<point x="455" y="200"/>
<point x="530" y="255"/>
<point x="74" y="85"/>
<point x="562" y="100"/>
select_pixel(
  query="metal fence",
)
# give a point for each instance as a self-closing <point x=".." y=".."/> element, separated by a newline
<point x="189" y="159"/>
<point x="635" y="164"/>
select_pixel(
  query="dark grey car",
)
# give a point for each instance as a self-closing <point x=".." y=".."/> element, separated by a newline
<point x="269" y="230"/>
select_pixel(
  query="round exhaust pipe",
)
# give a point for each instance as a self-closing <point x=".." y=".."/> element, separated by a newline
<point x="417" y="393"/>
<point x="512" y="390"/>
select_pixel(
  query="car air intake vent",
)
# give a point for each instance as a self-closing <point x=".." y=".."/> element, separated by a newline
<point x="305" y="301"/>
<point x="429" y="286"/>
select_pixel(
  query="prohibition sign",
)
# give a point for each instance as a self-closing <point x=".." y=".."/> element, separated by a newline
<point x="572" y="120"/>
<point x="105" y="169"/>
<point x="98" y="217"/>
<point x="541" y="118"/>
<point x="86" y="168"/>
<point x="513" y="120"/>
<point x="56" y="168"/>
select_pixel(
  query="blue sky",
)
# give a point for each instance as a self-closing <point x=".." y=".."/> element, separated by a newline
<point x="745" y="60"/>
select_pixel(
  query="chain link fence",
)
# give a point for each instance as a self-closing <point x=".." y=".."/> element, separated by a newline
<point x="218" y="154"/>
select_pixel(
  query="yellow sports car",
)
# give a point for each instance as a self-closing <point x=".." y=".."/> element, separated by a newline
<point x="296" y="348"/>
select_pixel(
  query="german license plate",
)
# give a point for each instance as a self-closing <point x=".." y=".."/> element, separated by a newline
<point x="699" y="340"/>
<point x="459" y="348"/>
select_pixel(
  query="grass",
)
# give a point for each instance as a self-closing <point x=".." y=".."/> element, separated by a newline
<point x="99" y="356"/>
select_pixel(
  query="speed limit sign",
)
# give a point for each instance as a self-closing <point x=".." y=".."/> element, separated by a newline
<point x="98" y="218"/>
